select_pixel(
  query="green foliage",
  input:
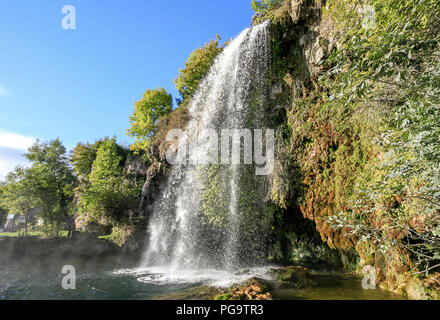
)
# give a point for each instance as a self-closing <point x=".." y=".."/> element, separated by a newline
<point x="264" y="9"/>
<point x="110" y="197"/>
<point x="54" y="180"/>
<point x="19" y="192"/>
<point x="196" y="68"/>
<point x="381" y="107"/>
<point x="214" y="198"/>
<point x="83" y="156"/>
<point x="225" y="296"/>
<point x="46" y="187"/>
<point x="365" y="138"/>
<point x="147" y="112"/>
<point x="108" y="162"/>
<point x="119" y="235"/>
<point x="3" y="210"/>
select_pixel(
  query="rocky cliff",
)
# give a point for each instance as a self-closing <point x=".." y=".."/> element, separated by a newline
<point x="341" y="105"/>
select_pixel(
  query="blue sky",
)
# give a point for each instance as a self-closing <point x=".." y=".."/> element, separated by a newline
<point x="80" y="85"/>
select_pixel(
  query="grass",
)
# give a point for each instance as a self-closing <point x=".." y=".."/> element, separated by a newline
<point x="15" y="234"/>
<point x="40" y="234"/>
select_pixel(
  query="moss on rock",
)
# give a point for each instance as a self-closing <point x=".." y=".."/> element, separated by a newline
<point x="292" y="277"/>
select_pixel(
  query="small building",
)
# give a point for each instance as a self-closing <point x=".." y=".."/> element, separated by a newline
<point x="11" y="223"/>
<point x="21" y="220"/>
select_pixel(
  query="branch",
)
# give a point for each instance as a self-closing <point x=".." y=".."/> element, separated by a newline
<point x="426" y="198"/>
<point x="424" y="271"/>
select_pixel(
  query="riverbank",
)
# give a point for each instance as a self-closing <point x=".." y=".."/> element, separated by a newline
<point x="83" y="246"/>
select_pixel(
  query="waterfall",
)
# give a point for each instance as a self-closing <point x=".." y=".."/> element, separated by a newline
<point x="212" y="216"/>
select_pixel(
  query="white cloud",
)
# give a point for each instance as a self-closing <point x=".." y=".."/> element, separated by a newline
<point x="4" y="92"/>
<point x="7" y="165"/>
<point x="9" y="159"/>
<point x="15" y="141"/>
<point x="12" y="148"/>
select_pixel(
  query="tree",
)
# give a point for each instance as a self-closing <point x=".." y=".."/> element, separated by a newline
<point x="261" y="6"/>
<point x="47" y="186"/>
<point x="20" y="192"/>
<point x="52" y="180"/>
<point x="110" y="195"/>
<point x="264" y="9"/>
<point x="147" y="111"/>
<point x="196" y="67"/>
<point x="83" y="156"/>
<point x="108" y="162"/>
<point x="3" y="210"/>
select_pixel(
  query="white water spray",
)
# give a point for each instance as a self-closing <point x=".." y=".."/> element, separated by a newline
<point x="178" y="237"/>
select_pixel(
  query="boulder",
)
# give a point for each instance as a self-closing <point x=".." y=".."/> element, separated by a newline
<point x="253" y="289"/>
<point x="292" y="277"/>
<point x="135" y="165"/>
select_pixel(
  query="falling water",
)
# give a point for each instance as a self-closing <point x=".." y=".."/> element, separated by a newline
<point x="180" y="235"/>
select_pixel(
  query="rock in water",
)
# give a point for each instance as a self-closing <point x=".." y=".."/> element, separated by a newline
<point x="292" y="277"/>
<point x="253" y="289"/>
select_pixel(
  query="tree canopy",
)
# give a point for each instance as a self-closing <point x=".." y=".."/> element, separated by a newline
<point x="109" y="196"/>
<point x="82" y="157"/>
<point x="196" y="67"/>
<point x="47" y="186"/>
<point x="153" y="105"/>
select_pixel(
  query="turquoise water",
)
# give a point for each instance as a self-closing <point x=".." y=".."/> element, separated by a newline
<point x="94" y="282"/>
<point x="106" y="280"/>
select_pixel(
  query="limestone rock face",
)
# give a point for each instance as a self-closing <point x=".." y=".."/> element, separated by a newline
<point x="299" y="9"/>
<point x="82" y="224"/>
<point x="135" y="165"/>
<point x="317" y="37"/>
<point x="153" y="176"/>
<point x="311" y="36"/>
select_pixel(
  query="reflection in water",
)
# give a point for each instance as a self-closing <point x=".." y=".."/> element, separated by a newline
<point x="334" y="287"/>
<point x="105" y="280"/>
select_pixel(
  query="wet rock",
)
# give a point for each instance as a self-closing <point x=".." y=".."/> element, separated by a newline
<point x="292" y="277"/>
<point x="276" y="90"/>
<point x="242" y="272"/>
<point x="197" y="293"/>
<point x="154" y="173"/>
<point x="253" y="289"/>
